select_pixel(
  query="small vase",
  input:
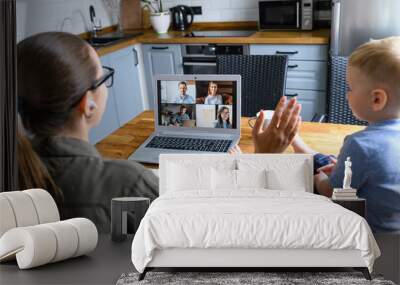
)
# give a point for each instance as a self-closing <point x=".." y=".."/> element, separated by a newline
<point x="160" y="22"/>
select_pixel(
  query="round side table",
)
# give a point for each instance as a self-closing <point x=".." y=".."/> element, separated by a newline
<point x="120" y="209"/>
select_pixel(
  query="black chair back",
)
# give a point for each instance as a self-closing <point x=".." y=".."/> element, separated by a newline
<point x="263" y="79"/>
<point x="339" y="111"/>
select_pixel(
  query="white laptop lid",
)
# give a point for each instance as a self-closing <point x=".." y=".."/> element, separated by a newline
<point x="182" y="106"/>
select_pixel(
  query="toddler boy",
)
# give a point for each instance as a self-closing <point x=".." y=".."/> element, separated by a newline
<point x="374" y="96"/>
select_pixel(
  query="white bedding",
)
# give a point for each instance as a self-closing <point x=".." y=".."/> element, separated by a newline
<point x="252" y="218"/>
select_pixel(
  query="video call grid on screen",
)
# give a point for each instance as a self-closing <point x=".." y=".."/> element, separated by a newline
<point x="197" y="103"/>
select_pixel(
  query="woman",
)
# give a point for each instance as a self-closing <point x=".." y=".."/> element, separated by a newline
<point x="212" y="97"/>
<point x="62" y="94"/>
<point x="223" y="118"/>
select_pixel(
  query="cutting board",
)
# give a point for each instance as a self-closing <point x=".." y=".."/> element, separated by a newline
<point x="131" y="14"/>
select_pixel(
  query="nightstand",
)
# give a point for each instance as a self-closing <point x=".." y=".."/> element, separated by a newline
<point x="357" y="205"/>
<point x="120" y="208"/>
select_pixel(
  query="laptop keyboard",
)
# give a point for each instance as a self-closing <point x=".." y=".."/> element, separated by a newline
<point x="190" y="144"/>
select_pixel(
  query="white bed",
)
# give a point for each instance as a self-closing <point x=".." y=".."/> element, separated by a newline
<point x="214" y="223"/>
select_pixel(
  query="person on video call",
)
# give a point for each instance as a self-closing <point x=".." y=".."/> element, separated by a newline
<point x="212" y="96"/>
<point x="182" y="97"/>
<point x="181" y="116"/>
<point x="223" y="118"/>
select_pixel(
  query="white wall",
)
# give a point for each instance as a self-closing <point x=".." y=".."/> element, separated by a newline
<point x="220" y="10"/>
<point x="34" y="16"/>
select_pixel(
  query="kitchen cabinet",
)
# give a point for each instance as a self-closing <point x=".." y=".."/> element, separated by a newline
<point x="306" y="75"/>
<point x="160" y="59"/>
<point x="125" y="100"/>
<point x="126" y="85"/>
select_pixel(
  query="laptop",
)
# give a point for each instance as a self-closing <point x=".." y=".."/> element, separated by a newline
<point x="187" y="122"/>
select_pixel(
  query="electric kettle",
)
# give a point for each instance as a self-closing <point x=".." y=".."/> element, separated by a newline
<point x="182" y="17"/>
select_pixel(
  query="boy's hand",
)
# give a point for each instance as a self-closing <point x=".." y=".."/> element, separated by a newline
<point x="321" y="183"/>
<point x="280" y="131"/>
<point x="327" y="169"/>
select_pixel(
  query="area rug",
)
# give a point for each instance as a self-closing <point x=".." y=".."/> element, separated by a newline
<point x="244" y="278"/>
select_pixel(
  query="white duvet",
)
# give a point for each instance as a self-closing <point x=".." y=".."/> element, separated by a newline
<point x="250" y="219"/>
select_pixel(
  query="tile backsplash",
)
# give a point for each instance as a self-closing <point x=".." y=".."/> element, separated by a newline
<point x="34" y="16"/>
<point x="220" y="10"/>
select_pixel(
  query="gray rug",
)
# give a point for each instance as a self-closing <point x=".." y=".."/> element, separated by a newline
<point x="228" y="278"/>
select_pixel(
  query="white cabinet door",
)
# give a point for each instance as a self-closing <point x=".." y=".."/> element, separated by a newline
<point x="294" y="52"/>
<point x="308" y="75"/>
<point x="126" y="86"/>
<point x="312" y="102"/>
<point x="160" y="59"/>
<point x="109" y="121"/>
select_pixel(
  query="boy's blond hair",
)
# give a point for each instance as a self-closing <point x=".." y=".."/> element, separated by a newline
<point x="379" y="60"/>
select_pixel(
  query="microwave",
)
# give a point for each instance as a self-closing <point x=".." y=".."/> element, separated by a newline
<point x="285" y="15"/>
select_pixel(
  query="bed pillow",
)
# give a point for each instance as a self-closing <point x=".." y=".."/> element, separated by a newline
<point x="283" y="172"/>
<point x="223" y="179"/>
<point x="251" y="178"/>
<point x="183" y="177"/>
<point x="282" y="180"/>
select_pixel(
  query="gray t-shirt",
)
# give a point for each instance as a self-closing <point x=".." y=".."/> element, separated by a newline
<point x="89" y="182"/>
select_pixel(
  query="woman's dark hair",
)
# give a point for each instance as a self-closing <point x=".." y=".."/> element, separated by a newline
<point x="55" y="69"/>
<point x="32" y="173"/>
<point x="220" y="121"/>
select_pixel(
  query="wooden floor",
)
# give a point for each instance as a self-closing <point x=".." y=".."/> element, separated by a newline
<point x="325" y="138"/>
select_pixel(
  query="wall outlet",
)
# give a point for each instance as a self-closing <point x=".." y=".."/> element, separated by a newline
<point x="197" y="10"/>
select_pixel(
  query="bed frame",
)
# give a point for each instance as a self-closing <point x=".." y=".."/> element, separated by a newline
<point x="242" y="259"/>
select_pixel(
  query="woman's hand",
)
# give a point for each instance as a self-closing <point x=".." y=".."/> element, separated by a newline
<point x="281" y="130"/>
<point x="235" y="150"/>
<point x="327" y="169"/>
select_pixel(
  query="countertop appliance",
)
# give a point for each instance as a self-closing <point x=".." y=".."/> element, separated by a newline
<point x="182" y="17"/>
<point x="322" y="13"/>
<point x="285" y="15"/>
<point x="355" y="22"/>
<point x="202" y="58"/>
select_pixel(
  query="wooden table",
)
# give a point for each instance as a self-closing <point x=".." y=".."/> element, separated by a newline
<point x="325" y="138"/>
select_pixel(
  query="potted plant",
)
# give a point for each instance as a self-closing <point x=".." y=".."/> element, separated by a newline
<point x="159" y="19"/>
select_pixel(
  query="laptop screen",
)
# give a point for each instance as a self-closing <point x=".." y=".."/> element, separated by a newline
<point x="197" y="103"/>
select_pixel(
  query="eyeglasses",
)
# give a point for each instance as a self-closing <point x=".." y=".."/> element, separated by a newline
<point x="107" y="78"/>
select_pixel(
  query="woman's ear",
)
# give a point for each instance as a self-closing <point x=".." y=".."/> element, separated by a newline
<point x="379" y="99"/>
<point x="87" y="106"/>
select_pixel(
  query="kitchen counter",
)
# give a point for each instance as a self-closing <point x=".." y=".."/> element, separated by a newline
<point x="324" y="138"/>
<point x="271" y="37"/>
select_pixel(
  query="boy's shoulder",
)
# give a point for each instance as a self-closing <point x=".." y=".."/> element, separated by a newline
<point x="372" y="139"/>
<point x="360" y="136"/>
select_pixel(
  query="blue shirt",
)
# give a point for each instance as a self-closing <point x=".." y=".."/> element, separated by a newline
<point x="375" y="156"/>
<point x="186" y="99"/>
